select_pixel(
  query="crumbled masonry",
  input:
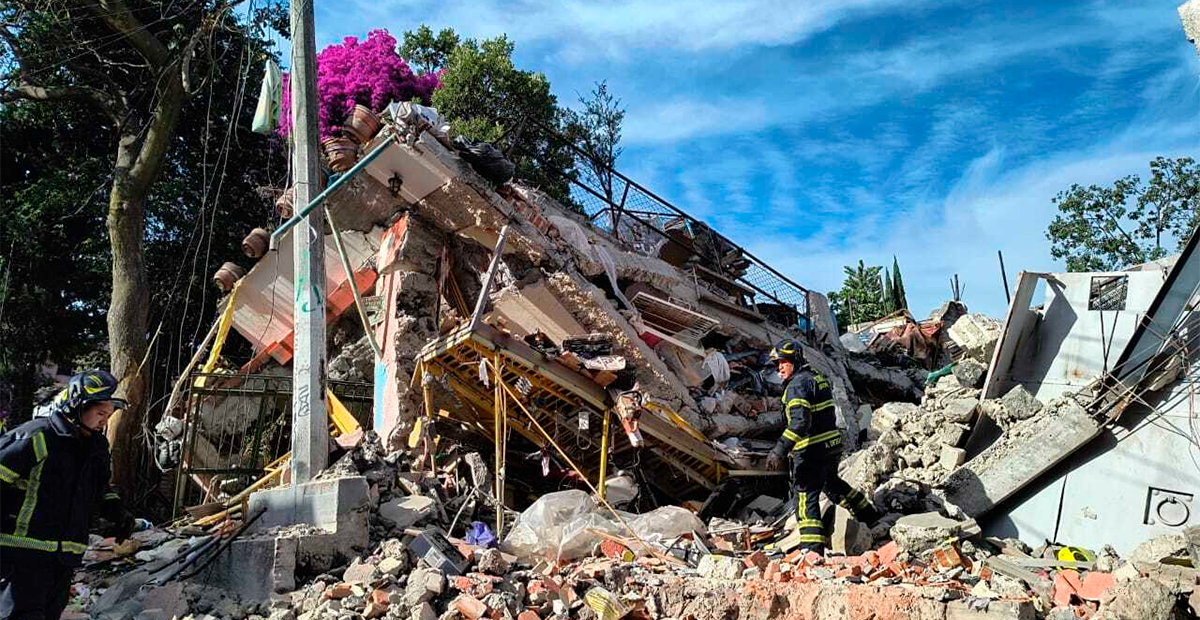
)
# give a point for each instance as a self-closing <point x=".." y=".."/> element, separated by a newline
<point x="468" y="486"/>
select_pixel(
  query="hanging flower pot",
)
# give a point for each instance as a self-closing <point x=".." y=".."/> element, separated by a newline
<point x="362" y="124"/>
<point x="341" y="153"/>
<point x="227" y="276"/>
<point x="283" y="204"/>
<point x="256" y="243"/>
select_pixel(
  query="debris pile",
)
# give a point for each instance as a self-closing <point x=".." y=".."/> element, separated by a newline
<point x="568" y="556"/>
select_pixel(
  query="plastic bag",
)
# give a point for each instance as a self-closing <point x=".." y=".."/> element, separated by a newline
<point x="556" y="527"/>
<point x="486" y="159"/>
<point x="664" y="523"/>
<point x="481" y="535"/>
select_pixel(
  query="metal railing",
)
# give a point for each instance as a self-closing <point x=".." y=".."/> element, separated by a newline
<point x="646" y="223"/>
<point x="238" y="424"/>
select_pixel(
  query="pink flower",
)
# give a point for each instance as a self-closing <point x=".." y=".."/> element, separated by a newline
<point x="368" y="73"/>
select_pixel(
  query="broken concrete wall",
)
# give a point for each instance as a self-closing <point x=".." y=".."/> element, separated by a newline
<point x="409" y="286"/>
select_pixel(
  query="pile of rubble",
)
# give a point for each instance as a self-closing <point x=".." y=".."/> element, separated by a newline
<point x="570" y="556"/>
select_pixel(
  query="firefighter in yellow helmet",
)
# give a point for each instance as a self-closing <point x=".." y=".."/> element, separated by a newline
<point x="812" y="445"/>
<point x="54" y="477"/>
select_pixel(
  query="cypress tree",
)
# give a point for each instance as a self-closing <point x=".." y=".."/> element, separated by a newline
<point x="898" y="295"/>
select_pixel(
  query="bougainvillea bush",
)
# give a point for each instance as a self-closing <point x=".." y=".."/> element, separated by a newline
<point x="368" y="73"/>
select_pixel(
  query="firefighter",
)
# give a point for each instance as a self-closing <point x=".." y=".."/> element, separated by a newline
<point x="814" y="443"/>
<point x="54" y="477"/>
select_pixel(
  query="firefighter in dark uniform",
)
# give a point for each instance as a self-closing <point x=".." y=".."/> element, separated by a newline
<point x="814" y="443"/>
<point x="54" y="477"/>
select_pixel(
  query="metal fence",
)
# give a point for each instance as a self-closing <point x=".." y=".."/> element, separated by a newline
<point x="648" y="224"/>
<point x="238" y="424"/>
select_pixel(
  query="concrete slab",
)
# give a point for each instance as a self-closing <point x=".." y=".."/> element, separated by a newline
<point x="1027" y="451"/>
<point x="266" y="559"/>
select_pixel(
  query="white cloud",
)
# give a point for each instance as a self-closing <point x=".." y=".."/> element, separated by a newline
<point x="617" y="27"/>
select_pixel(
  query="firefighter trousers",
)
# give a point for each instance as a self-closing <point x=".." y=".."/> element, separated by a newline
<point x="34" y="585"/>
<point x="812" y="476"/>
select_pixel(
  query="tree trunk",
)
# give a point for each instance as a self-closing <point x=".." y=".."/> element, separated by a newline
<point x="138" y="163"/>
<point x="128" y="322"/>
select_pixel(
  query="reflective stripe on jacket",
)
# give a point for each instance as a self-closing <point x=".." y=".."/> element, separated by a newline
<point x="53" y="480"/>
<point x="809" y="416"/>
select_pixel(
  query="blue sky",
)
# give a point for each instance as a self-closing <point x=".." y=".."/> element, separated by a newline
<point x="817" y="133"/>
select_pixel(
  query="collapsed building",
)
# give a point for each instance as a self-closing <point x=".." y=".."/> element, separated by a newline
<point x="563" y="410"/>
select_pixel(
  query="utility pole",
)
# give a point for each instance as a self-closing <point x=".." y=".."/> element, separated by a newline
<point x="310" y="426"/>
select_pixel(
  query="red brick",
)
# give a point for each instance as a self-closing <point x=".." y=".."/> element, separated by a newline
<point x="1095" y="584"/>
<point x="379" y="595"/>
<point x="339" y="591"/>
<point x="528" y="614"/>
<point x="871" y="558"/>
<point x="771" y="571"/>
<point x="375" y="610"/>
<point x="758" y="560"/>
<point x="888" y="553"/>
<point x="853" y="570"/>
<point x="812" y="558"/>
<point x="535" y="586"/>
<point x="471" y="607"/>
<point x="1063" y="589"/>
<point x="794" y="557"/>
<point x="613" y="549"/>
<point x="462" y="584"/>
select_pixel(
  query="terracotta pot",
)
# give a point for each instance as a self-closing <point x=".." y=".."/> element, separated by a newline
<point x="227" y="276"/>
<point x="362" y="125"/>
<point x="256" y="243"/>
<point x="341" y="153"/>
<point x="283" y="204"/>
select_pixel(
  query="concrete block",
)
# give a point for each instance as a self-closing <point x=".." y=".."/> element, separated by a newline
<point x="719" y="567"/>
<point x="960" y="410"/>
<point x="952" y="457"/>
<point x="407" y="511"/>
<point x="996" y="610"/>
<point x="339" y="506"/>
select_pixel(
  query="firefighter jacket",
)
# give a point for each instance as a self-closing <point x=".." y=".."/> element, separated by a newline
<point x="809" y="414"/>
<point x="53" y="480"/>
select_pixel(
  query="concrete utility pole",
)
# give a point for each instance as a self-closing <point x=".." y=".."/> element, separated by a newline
<point x="310" y="425"/>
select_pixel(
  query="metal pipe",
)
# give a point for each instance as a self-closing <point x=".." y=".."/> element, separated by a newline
<point x="604" y="453"/>
<point x="298" y="216"/>
<point x="225" y="544"/>
<point x="480" y="303"/>
<point x="358" y="303"/>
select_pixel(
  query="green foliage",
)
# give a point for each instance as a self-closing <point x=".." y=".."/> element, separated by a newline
<point x="898" y="295"/>
<point x="1104" y="228"/>
<point x="487" y="98"/>
<point x="55" y="259"/>
<point x="889" y="299"/>
<point x="861" y="297"/>
<point x="426" y="52"/>
<point x="597" y="131"/>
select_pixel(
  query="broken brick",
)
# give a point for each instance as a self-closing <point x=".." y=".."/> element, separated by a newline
<point x="1064" y="589"/>
<point x="528" y="614"/>
<point x="613" y="549"/>
<point x="470" y="607"/>
<point x="1095" y="584"/>
<point x="758" y="560"/>
<point x="339" y="591"/>
<point x="853" y="570"/>
<point x="771" y="571"/>
<point x="888" y="553"/>
<point x="375" y="610"/>
<point x="381" y="596"/>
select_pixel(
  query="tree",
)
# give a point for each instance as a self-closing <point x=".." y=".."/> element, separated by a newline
<point x="889" y="300"/>
<point x="121" y="77"/>
<point x="1104" y="228"/>
<point x="898" y="295"/>
<point x="597" y="131"/>
<point x="426" y="52"/>
<point x="860" y="299"/>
